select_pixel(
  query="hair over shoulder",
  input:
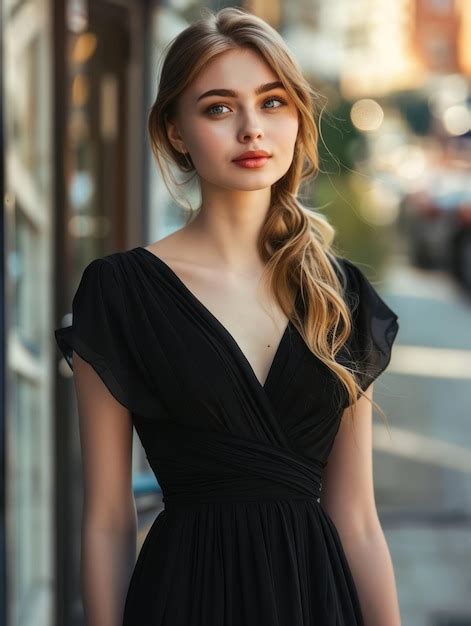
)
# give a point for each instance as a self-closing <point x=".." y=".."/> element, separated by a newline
<point x="295" y="241"/>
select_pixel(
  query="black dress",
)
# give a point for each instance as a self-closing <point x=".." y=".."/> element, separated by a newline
<point x="243" y="539"/>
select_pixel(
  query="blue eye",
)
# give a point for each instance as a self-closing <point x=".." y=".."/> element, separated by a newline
<point x="271" y="99"/>
<point x="214" y="106"/>
<point x="279" y="100"/>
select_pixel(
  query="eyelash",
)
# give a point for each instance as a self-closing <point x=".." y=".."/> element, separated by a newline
<point x="282" y="100"/>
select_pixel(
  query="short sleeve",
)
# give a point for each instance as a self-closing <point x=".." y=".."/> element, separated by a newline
<point x="101" y="334"/>
<point x="374" y="326"/>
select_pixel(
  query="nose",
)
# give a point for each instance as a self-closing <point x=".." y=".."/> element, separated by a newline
<point x="251" y="133"/>
<point x="250" y="129"/>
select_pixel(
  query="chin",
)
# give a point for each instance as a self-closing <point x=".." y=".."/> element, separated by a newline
<point x="254" y="185"/>
<point x="243" y="182"/>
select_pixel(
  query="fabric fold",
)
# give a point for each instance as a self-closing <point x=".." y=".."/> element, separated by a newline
<point x="100" y="333"/>
<point x="374" y="326"/>
<point x="244" y="539"/>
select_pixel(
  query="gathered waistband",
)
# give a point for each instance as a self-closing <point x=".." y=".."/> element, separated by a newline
<point x="176" y="500"/>
<point x="198" y="467"/>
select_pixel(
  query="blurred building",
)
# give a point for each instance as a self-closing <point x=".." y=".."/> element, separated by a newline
<point x="375" y="47"/>
<point x="437" y="25"/>
<point x="464" y="36"/>
<point x="364" y="46"/>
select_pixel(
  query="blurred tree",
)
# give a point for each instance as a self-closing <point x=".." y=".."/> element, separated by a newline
<point x="339" y="198"/>
<point x="336" y="134"/>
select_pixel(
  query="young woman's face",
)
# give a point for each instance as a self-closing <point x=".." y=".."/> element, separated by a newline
<point x="215" y="129"/>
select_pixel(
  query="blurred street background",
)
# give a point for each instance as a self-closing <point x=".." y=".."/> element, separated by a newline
<point x="78" y="181"/>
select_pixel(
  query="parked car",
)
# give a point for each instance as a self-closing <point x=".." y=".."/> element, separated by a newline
<point x="437" y="218"/>
<point x="461" y="259"/>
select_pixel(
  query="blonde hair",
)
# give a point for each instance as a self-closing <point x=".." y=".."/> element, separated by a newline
<point x="295" y="242"/>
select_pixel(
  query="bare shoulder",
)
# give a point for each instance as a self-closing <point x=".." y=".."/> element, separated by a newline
<point x="183" y="253"/>
<point x="175" y="247"/>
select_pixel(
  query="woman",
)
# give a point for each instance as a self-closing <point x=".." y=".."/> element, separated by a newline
<point x="243" y="350"/>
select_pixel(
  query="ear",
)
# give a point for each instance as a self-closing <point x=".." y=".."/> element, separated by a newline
<point x="174" y="135"/>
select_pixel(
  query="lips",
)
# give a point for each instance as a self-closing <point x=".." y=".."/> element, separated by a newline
<point x="252" y="154"/>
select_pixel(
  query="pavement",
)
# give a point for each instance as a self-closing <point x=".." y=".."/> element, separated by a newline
<point x="422" y="467"/>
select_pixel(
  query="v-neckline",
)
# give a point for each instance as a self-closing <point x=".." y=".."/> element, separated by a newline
<point x="223" y="329"/>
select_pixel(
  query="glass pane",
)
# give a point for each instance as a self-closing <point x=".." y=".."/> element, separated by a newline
<point x="26" y="279"/>
<point x="27" y="499"/>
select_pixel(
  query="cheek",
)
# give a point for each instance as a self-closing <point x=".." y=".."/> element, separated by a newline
<point x="207" y="138"/>
<point x="286" y="131"/>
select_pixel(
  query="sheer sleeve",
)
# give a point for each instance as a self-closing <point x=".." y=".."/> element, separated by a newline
<point x="375" y="326"/>
<point x="101" y="334"/>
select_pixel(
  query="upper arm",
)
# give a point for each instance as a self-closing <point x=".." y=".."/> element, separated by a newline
<point x="348" y="487"/>
<point x="106" y="444"/>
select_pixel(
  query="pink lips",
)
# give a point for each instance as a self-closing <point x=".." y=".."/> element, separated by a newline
<point x="252" y="154"/>
<point x="252" y="163"/>
<point x="252" y="158"/>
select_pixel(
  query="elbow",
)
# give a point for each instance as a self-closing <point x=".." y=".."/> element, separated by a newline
<point x="355" y="522"/>
<point x="121" y="519"/>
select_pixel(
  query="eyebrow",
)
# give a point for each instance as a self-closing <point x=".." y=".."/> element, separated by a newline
<point x="233" y="94"/>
